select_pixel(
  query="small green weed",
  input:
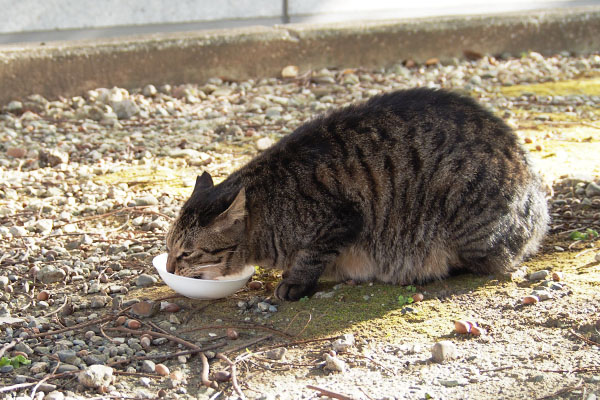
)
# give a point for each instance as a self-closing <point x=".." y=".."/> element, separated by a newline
<point x="589" y="234"/>
<point x="15" y="361"/>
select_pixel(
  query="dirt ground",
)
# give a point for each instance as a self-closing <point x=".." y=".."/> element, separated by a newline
<point x="546" y="350"/>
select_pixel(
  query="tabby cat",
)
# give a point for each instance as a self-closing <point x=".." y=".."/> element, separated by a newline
<point x="400" y="189"/>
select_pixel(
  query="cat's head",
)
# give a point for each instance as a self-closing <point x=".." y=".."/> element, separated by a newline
<point x="206" y="239"/>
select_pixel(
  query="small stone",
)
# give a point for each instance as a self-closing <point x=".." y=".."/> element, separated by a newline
<point x="18" y="231"/>
<point x="4" y="282"/>
<point x="145" y="381"/>
<point x="145" y="342"/>
<point x="542" y="295"/>
<point x="453" y="382"/>
<point x="255" y="285"/>
<point x="276" y="354"/>
<point x="16" y="152"/>
<point x="125" y="109"/>
<point x="14" y="106"/>
<point x="290" y="71"/>
<point x="134" y="324"/>
<point x="67" y="356"/>
<point x="344" y="343"/>
<point x="42" y="296"/>
<point x="39" y="367"/>
<point x="222" y="376"/>
<point x="264" y="143"/>
<point x="67" y="368"/>
<point x="148" y="366"/>
<point x="171" y="307"/>
<point x="145" y="308"/>
<point x="462" y="327"/>
<point x="597" y="257"/>
<point x="232" y="334"/>
<point x="333" y="363"/>
<point x="324" y="295"/>
<point x="144" y="280"/>
<point x="50" y="274"/>
<point x="53" y="157"/>
<point x="592" y="189"/>
<point x="149" y="91"/>
<point x="530" y="299"/>
<point x="477" y="330"/>
<point x="98" y="301"/>
<point x="162" y="370"/>
<point x="557" y="276"/>
<point x="147" y="200"/>
<point x="6" y="369"/>
<point x="443" y="351"/>
<point x="539" y="275"/>
<point x="417" y="297"/>
<point x="96" y="376"/>
<point x="263" y="306"/>
<point x="43" y="226"/>
<point x="54" y="395"/>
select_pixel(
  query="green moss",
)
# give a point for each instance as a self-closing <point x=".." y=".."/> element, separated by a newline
<point x="589" y="87"/>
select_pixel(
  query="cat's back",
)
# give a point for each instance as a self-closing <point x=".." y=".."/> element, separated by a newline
<point x="433" y="120"/>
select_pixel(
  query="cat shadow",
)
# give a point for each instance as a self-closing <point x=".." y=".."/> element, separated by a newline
<point x="374" y="308"/>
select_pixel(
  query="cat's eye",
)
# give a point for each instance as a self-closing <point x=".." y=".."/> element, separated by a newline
<point x="185" y="254"/>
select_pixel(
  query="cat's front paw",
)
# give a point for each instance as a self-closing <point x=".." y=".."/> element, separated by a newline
<point x="291" y="291"/>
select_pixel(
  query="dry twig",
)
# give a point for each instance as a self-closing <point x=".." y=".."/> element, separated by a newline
<point x="562" y="391"/>
<point x="326" y="392"/>
<point x="234" y="382"/>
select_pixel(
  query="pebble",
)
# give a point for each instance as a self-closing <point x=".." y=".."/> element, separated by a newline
<point x="161" y="370"/>
<point x="443" y="351"/>
<point x="333" y="363"/>
<point x="264" y="143"/>
<point x="453" y="382"/>
<point x="290" y="71"/>
<point x="67" y="356"/>
<point x="344" y="343"/>
<point x="539" y="275"/>
<point x="148" y="366"/>
<point x="592" y="189"/>
<point x="144" y="280"/>
<point x="147" y="200"/>
<point x="531" y="299"/>
<point x="3" y="282"/>
<point x="145" y="308"/>
<point x="18" y="231"/>
<point x="6" y="369"/>
<point x="24" y="348"/>
<point x="54" y="395"/>
<point x="96" y="376"/>
<point x="276" y="354"/>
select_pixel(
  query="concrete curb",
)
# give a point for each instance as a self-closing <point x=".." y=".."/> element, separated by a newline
<point x="70" y="68"/>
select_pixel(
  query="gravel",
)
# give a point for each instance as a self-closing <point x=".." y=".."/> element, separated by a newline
<point x="89" y="185"/>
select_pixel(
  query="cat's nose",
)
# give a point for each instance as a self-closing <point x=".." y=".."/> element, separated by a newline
<point x="171" y="261"/>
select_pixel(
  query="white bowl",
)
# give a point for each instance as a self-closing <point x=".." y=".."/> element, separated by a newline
<point x="201" y="288"/>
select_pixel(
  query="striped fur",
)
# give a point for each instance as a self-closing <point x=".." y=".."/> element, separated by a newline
<point x="400" y="189"/>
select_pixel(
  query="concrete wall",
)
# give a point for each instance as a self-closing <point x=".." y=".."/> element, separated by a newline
<point x="48" y="20"/>
<point x="70" y="68"/>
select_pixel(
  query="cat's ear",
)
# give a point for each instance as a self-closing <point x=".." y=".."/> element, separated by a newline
<point x="237" y="209"/>
<point x="234" y="214"/>
<point x="203" y="182"/>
